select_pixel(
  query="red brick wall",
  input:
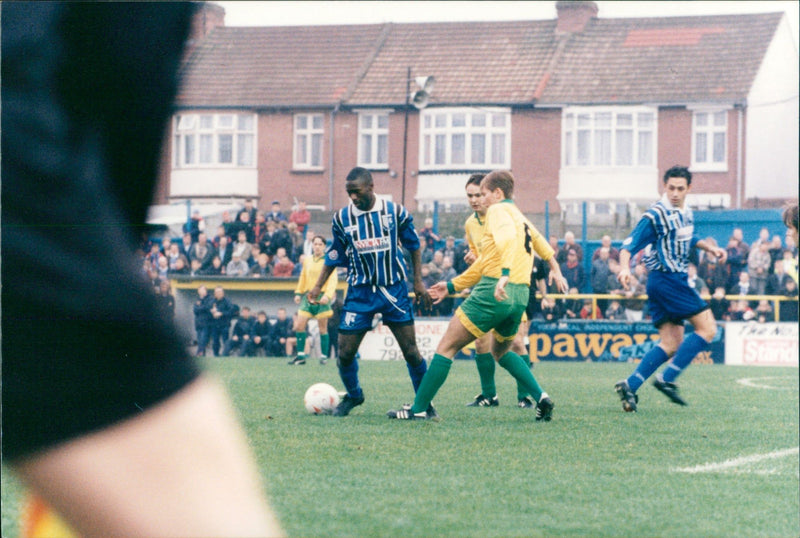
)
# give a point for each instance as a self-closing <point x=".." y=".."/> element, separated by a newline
<point x="536" y="158"/>
<point x="675" y="147"/>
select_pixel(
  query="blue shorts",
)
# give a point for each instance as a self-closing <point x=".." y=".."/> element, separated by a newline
<point x="670" y="299"/>
<point x="363" y="302"/>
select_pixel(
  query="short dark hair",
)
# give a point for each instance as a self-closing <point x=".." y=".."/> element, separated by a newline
<point x="360" y="174"/>
<point x="500" y="179"/>
<point x="678" y="171"/>
<point x="790" y="216"/>
<point x="475" y="179"/>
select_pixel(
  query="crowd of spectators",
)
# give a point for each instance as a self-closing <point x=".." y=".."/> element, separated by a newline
<point x="254" y="244"/>
<point x="767" y="267"/>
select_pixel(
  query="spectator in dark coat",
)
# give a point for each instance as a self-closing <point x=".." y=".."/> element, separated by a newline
<point x="573" y="271"/>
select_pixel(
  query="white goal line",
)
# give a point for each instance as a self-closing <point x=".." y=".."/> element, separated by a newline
<point x="736" y="462"/>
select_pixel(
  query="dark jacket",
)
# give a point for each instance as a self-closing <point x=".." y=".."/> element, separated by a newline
<point x="202" y="312"/>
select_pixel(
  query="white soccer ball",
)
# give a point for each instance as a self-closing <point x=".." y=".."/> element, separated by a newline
<point x="321" y="399"/>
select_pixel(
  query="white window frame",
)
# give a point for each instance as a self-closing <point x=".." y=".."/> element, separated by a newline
<point x="602" y="152"/>
<point x="438" y="130"/>
<point x="308" y="133"/>
<point x="710" y="130"/>
<point x="373" y="133"/>
<point x="205" y="134"/>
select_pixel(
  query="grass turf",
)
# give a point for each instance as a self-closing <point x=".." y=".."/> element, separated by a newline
<point x="592" y="471"/>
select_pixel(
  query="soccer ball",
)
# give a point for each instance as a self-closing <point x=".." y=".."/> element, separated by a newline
<point x="321" y="399"/>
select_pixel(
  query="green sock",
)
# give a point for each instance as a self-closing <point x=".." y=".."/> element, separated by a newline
<point x="431" y="382"/>
<point x="325" y="344"/>
<point x="522" y="392"/>
<point x="485" y="364"/>
<point x="517" y="368"/>
<point x="301" y="343"/>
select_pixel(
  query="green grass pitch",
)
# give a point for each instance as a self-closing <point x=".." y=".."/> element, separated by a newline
<point x="726" y="465"/>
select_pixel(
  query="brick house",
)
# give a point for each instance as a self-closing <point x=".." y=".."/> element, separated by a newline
<point x="579" y="108"/>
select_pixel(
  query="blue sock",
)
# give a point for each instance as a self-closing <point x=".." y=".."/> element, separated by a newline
<point x="650" y="363"/>
<point x="691" y="346"/>
<point x="417" y="373"/>
<point x="349" y="375"/>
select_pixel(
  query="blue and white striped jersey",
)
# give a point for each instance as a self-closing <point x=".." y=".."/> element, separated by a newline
<point x="668" y="232"/>
<point x="368" y="243"/>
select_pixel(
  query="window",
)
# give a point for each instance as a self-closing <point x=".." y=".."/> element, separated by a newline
<point x="465" y="138"/>
<point x="308" y="130"/>
<point x="710" y="140"/>
<point x="214" y="140"/>
<point x="609" y="137"/>
<point x="373" y="140"/>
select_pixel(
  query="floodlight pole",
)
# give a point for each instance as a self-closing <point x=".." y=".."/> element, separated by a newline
<point x="405" y="138"/>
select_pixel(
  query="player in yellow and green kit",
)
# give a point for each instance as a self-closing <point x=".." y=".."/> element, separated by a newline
<point x="319" y="310"/>
<point x="484" y="361"/>
<point x="500" y="279"/>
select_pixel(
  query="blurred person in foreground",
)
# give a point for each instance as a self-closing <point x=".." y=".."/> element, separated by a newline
<point x="105" y="416"/>
<point x="668" y="228"/>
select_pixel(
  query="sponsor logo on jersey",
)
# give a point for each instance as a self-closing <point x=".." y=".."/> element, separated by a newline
<point x="373" y="244"/>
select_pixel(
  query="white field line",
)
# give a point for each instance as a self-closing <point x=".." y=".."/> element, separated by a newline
<point x="737" y="462"/>
<point x="751" y="382"/>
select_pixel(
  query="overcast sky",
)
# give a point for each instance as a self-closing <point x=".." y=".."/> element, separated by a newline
<point x="308" y="12"/>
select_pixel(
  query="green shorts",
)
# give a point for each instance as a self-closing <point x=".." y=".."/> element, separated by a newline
<point x="480" y="312"/>
<point x="316" y="311"/>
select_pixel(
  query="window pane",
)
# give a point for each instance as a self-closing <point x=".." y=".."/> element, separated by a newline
<point x="479" y="120"/>
<point x="186" y="123"/>
<point x="646" y="148"/>
<point x="701" y="119"/>
<point x="459" y="120"/>
<point x="569" y="121"/>
<point x="602" y="119"/>
<point x="383" y="149"/>
<point x="301" y="122"/>
<point x="366" y="121"/>
<point x="206" y="148"/>
<point x="188" y="149"/>
<point x="366" y="149"/>
<point x="624" y="147"/>
<point x="719" y="118"/>
<point x="602" y="147"/>
<point x="624" y="120"/>
<point x="225" y="148"/>
<point x="700" y="147"/>
<point x="439" y="149"/>
<point x="383" y="121"/>
<point x="206" y="122"/>
<point x="300" y="150"/>
<point x="225" y="121"/>
<point x="427" y="149"/>
<point x="584" y="120"/>
<point x="584" y="137"/>
<point x="645" y="120"/>
<point x="498" y="149"/>
<point x="441" y="120"/>
<point x="478" y="149"/>
<point x="427" y="122"/>
<point x="568" y="149"/>
<point x="244" y="151"/>
<point x="458" y="150"/>
<point x="719" y="147"/>
<point x="245" y="122"/>
<point x="498" y="120"/>
<point x="176" y="151"/>
<point x="316" y="150"/>
<point x="317" y="122"/>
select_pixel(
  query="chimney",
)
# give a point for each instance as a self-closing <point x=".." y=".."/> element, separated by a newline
<point x="574" y="15"/>
<point x="207" y="16"/>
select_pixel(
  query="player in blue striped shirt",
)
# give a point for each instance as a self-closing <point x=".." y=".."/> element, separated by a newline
<point x="367" y="236"/>
<point x="667" y="230"/>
